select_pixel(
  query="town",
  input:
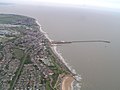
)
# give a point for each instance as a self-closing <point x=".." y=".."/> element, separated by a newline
<point x="27" y="61"/>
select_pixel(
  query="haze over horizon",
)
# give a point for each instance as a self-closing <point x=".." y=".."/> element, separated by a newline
<point x="115" y="4"/>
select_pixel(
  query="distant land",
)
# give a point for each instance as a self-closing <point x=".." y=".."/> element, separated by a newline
<point x="2" y="3"/>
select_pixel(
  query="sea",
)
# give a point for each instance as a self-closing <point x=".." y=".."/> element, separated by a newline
<point x="97" y="63"/>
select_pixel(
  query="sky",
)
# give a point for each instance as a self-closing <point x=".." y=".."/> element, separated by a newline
<point x="98" y="3"/>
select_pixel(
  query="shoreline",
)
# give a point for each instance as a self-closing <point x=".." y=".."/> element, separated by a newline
<point x="54" y="49"/>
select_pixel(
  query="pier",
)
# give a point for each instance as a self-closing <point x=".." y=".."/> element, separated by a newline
<point x="88" y="41"/>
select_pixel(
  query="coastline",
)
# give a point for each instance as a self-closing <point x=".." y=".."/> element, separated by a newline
<point x="74" y="76"/>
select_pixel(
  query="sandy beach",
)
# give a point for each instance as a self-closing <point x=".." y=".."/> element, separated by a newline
<point x="66" y="83"/>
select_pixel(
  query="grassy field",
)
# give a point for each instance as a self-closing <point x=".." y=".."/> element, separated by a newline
<point x="18" y="53"/>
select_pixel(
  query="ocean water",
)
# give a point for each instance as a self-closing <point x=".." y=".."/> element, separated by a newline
<point x="97" y="63"/>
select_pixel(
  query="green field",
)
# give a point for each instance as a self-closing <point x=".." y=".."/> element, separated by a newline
<point x="18" y="53"/>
